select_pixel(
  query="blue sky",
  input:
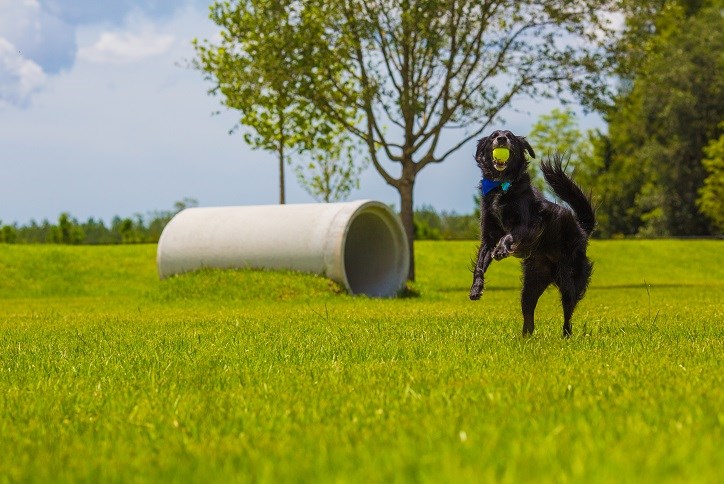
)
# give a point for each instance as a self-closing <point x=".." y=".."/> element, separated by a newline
<point x="98" y="117"/>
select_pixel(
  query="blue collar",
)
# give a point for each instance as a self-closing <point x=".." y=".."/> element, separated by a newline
<point x="488" y="185"/>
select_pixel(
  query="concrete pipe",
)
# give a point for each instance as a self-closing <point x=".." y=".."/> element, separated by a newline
<point x="360" y="245"/>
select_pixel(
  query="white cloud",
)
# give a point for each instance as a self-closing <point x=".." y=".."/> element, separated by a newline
<point x="125" y="47"/>
<point x="19" y="77"/>
<point x="41" y="37"/>
<point x="19" y="16"/>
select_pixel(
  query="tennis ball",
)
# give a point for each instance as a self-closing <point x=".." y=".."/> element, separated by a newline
<point x="501" y="154"/>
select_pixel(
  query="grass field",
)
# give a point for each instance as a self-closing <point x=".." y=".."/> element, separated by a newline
<point x="107" y="374"/>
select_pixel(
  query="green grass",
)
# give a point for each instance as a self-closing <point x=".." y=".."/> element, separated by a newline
<point x="107" y="374"/>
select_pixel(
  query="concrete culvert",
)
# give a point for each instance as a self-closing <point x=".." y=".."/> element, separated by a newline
<point x="360" y="245"/>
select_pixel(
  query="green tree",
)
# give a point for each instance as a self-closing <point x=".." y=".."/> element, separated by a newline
<point x="183" y="204"/>
<point x="255" y="68"/>
<point x="332" y="171"/>
<point x="416" y="69"/>
<point x="557" y="132"/>
<point x="428" y="224"/>
<point x="67" y="231"/>
<point x="711" y="194"/>
<point x="158" y="219"/>
<point x="129" y="231"/>
<point x="96" y="232"/>
<point x="8" y="233"/>
<point x="667" y="110"/>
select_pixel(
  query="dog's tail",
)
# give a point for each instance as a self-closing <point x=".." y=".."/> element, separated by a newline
<point x="569" y="192"/>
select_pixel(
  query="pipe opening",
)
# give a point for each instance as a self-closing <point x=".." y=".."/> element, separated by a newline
<point x="372" y="256"/>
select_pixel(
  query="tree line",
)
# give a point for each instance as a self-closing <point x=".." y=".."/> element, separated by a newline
<point x="658" y="171"/>
<point x="68" y="230"/>
<point x="429" y="225"/>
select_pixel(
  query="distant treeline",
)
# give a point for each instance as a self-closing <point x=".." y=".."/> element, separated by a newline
<point x="68" y="230"/>
<point x="429" y="225"/>
<point x="433" y="225"/>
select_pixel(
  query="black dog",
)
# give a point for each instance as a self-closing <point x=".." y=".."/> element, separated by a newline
<point x="517" y="220"/>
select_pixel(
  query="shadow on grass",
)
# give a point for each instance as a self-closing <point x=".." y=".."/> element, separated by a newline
<point x="592" y="287"/>
<point x="609" y="287"/>
<point x="487" y="289"/>
<point x="408" y="292"/>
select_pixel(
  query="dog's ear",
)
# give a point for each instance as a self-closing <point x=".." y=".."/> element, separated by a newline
<point x="483" y="144"/>
<point x="526" y="146"/>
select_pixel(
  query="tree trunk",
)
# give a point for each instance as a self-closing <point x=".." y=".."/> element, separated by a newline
<point x="281" y="174"/>
<point x="407" y="216"/>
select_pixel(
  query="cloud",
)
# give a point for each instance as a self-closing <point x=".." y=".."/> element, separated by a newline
<point x="41" y="37"/>
<point x="19" y="77"/>
<point x="44" y="37"/>
<point x="125" y="47"/>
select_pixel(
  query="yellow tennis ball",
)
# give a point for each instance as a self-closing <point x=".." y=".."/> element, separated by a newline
<point x="501" y="154"/>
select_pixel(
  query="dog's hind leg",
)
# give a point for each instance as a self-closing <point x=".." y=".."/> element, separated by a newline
<point x="569" y="301"/>
<point x="536" y="277"/>
<point x="581" y="278"/>
<point x="569" y="297"/>
<point x="572" y="285"/>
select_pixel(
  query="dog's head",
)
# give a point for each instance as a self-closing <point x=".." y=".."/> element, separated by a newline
<point x="497" y="169"/>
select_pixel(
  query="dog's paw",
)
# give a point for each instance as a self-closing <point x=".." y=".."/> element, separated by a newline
<point x="504" y="248"/>
<point x="476" y="291"/>
<point x="500" y="253"/>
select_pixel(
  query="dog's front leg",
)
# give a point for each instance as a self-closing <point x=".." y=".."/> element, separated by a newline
<point x="504" y="247"/>
<point x="517" y="242"/>
<point x="481" y="265"/>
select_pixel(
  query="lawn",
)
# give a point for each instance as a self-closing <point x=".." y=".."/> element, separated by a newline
<point x="108" y="374"/>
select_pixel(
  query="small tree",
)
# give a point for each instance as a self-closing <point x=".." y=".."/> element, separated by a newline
<point x="8" y="233"/>
<point x="255" y="68"/>
<point x="557" y="132"/>
<point x="333" y="169"/>
<point x="68" y="231"/>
